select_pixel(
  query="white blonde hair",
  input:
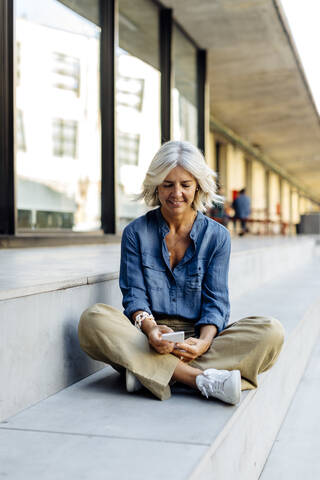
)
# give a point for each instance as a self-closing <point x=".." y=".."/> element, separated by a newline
<point x="186" y="155"/>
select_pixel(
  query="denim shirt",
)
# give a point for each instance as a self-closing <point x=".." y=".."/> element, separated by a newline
<point x="196" y="289"/>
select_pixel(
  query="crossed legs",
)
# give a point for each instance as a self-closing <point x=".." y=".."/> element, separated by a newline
<point x="251" y="345"/>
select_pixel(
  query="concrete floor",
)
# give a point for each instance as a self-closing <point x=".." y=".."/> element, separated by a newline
<point x="86" y="430"/>
<point x="296" y="452"/>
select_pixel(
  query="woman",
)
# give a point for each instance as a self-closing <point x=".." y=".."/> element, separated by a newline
<point x="174" y="276"/>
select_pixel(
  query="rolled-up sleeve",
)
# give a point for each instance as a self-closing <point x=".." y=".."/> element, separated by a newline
<point x="131" y="276"/>
<point x="215" y="305"/>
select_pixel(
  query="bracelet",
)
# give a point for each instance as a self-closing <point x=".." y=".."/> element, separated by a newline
<point x="140" y="317"/>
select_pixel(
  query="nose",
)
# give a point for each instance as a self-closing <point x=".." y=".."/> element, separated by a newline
<point x="177" y="190"/>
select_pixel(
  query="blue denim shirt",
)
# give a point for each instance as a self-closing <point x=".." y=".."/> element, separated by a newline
<point x="196" y="289"/>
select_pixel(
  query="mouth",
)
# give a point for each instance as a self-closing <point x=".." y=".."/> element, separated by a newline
<point x="175" y="203"/>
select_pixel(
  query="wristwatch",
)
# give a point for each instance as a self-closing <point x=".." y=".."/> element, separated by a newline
<point x="142" y="316"/>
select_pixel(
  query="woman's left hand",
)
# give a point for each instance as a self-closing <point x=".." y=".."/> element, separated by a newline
<point x="191" y="349"/>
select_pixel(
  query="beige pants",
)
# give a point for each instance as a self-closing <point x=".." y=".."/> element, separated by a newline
<point x="251" y="345"/>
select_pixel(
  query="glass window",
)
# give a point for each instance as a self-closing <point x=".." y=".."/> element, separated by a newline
<point x="18" y="60"/>
<point x="128" y="148"/>
<point x="58" y="153"/>
<point x="137" y="102"/>
<point x="21" y="141"/>
<point x="66" y="72"/>
<point x="64" y="137"/>
<point x="184" y="93"/>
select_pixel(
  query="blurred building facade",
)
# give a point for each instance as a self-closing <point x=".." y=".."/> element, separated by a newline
<point x="93" y="88"/>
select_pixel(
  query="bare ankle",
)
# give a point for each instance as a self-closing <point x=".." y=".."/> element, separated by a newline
<point x="186" y="374"/>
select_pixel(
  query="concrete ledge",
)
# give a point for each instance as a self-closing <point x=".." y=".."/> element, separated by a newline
<point x="32" y="272"/>
<point x="39" y="348"/>
<point x="54" y="286"/>
<point x="40" y="354"/>
<point x="254" y="267"/>
<point x="251" y="431"/>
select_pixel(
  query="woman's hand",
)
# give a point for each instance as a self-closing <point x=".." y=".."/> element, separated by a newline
<point x="191" y="349"/>
<point x="155" y="339"/>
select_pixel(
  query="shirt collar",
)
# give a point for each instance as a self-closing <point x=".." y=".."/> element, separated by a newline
<point x="195" y="230"/>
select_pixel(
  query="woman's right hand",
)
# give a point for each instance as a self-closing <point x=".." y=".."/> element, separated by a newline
<point x="155" y="339"/>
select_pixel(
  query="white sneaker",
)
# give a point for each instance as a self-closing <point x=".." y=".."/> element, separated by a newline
<point x="132" y="383"/>
<point x="222" y="384"/>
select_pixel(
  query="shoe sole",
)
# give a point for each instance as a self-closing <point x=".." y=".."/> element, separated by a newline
<point x="237" y="376"/>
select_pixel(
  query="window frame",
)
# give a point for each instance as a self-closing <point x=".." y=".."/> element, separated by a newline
<point x="109" y="31"/>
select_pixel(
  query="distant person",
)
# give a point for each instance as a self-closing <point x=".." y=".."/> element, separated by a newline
<point x="242" y="208"/>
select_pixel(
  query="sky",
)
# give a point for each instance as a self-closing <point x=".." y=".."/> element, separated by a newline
<point x="303" y="18"/>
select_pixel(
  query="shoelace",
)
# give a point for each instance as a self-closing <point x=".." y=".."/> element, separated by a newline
<point x="216" y="387"/>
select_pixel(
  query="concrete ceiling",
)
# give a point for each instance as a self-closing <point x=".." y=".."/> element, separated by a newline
<point x="257" y="85"/>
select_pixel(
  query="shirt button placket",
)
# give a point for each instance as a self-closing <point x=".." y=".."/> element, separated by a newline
<point x="174" y="300"/>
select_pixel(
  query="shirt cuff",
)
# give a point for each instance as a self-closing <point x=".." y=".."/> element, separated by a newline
<point x="219" y="323"/>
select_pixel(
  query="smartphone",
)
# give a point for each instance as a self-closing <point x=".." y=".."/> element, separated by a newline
<point x="174" y="337"/>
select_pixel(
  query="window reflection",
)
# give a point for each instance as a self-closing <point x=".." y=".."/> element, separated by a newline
<point x="66" y="72"/>
<point x="57" y="118"/>
<point x="184" y="93"/>
<point x="137" y="103"/>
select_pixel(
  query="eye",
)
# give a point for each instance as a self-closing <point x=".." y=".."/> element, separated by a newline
<point x="186" y="186"/>
<point x="167" y="185"/>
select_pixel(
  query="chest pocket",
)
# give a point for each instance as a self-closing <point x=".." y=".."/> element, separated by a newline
<point x="195" y="274"/>
<point x="154" y="272"/>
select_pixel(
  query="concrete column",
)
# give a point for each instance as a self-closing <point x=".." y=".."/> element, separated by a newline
<point x="210" y="151"/>
<point x="302" y="204"/>
<point x="236" y="169"/>
<point x="249" y="177"/>
<point x="267" y="193"/>
<point x="291" y="223"/>
<point x="223" y="163"/>
<point x="258" y="190"/>
<point x="281" y="198"/>
<point x="295" y="209"/>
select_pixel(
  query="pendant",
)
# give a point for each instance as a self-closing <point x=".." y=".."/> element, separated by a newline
<point x="169" y="254"/>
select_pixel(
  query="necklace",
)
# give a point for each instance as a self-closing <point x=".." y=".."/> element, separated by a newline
<point x="185" y="236"/>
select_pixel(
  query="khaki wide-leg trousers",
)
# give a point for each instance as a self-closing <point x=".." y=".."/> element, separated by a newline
<point x="251" y="345"/>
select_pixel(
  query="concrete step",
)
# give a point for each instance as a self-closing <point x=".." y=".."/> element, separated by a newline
<point x="26" y="271"/>
<point x="94" y="429"/>
<point x="43" y="292"/>
<point x="295" y="453"/>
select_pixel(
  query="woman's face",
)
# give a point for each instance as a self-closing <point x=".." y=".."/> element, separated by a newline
<point x="176" y="193"/>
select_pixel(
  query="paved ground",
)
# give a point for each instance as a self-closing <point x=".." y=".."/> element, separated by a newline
<point x="84" y="432"/>
<point x="296" y="452"/>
